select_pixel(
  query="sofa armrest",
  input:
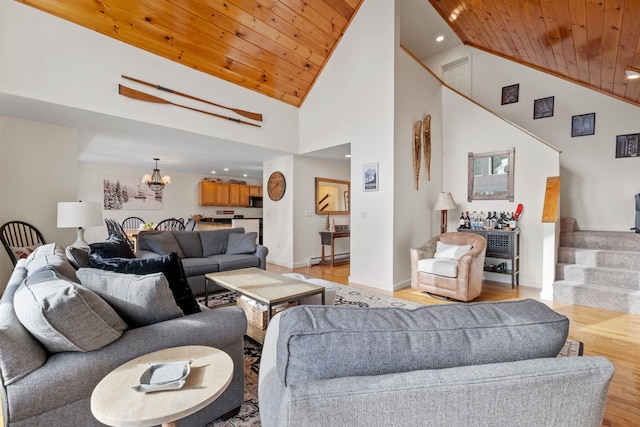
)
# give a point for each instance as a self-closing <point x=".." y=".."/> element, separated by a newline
<point x="261" y="252"/>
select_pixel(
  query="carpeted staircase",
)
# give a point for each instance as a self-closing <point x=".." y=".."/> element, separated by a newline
<point x="598" y="268"/>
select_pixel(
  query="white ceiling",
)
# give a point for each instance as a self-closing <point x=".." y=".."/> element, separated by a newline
<point x="114" y="140"/>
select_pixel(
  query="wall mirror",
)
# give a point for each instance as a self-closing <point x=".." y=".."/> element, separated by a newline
<point x="491" y="175"/>
<point x="332" y="196"/>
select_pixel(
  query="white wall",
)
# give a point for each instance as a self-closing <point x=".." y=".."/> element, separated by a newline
<point x="50" y="59"/>
<point x="278" y="222"/>
<point x="469" y="128"/>
<point x="417" y="93"/>
<point x="38" y="168"/>
<point x="352" y="101"/>
<point x="596" y="188"/>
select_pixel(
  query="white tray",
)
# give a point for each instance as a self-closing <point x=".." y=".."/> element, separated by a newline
<point x="164" y="376"/>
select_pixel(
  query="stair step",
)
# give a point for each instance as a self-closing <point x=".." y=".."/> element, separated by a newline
<point x="609" y="240"/>
<point x="568" y="225"/>
<point x="599" y="258"/>
<point x="604" y="276"/>
<point x="597" y="296"/>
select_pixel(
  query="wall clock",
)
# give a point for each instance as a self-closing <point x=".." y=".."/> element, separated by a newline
<point x="276" y="186"/>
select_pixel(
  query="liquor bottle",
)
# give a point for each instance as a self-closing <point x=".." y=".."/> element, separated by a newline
<point x="512" y="222"/>
<point x="467" y="221"/>
<point x="518" y="212"/>
<point x="461" y="225"/>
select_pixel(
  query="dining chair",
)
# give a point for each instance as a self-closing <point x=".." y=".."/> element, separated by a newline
<point x="132" y="222"/>
<point x="190" y="225"/>
<point x="20" y="239"/>
<point x="170" y="224"/>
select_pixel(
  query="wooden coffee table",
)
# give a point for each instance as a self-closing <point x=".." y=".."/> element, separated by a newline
<point x="114" y="401"/>
<point x="265" y="287"/>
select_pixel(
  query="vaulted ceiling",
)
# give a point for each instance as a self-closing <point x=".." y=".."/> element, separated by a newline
<point x="279" y="47"/>
<point x="589" y="42"/>
<point x="276" y="47"/>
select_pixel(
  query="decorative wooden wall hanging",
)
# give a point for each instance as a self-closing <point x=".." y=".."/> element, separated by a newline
<point x="417" y="138"/>
<point x="426" y="144"/>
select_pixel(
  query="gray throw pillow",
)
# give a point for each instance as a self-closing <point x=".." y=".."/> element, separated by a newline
<point x="63" y="315"/>
<point x="78" y="257"/>
<point x="140" y="299"/>
<point x="241" y="243"/>
<point x="51" y="255"/>
<point x="163" y="244"/>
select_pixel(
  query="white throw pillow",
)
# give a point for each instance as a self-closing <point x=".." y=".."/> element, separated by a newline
<point x="454" y="252"/>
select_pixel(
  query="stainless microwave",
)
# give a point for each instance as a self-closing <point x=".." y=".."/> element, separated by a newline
<point x="255" y="202"/>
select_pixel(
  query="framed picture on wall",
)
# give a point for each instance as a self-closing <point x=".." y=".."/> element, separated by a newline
<point x="510" y="94"/>
<point x="627" y="145"/>
<point x="543" y="107"/>
<point x="370" y="177"/>
<point x="583" y="124"/>
<point x="128" y="193"/>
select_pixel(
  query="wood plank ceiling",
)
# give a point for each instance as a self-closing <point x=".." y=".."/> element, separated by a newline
<point x="275" y="47"/>
<point x="279" y="47"/>
<point x="590" y="42"/>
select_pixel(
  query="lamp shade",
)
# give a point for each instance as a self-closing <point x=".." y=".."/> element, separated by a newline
<point x="444" y="202"/>
<point x="79" y="214"/>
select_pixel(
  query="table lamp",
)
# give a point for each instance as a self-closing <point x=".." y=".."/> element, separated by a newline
<point x="80" y="215"/>
<point x="444" y="202"/>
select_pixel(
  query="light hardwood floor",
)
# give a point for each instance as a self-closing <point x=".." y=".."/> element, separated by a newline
<point x="604" y="333"/>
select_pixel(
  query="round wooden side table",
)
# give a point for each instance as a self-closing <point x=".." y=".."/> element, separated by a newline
<point x="115" y="402"/>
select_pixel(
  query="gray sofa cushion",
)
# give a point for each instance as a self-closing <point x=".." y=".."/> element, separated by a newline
<point x="163" y="243"/>
<point x="234" y="262"/>
<point x="20" y="352"/>
<point x="241" y="243"/>
<point x="190" y="243"/>
<point x="64" y="316"/>
<point x="385" y="340"/>
<point x="199" y="266"/>
<point x="140" y="299"/>
<point x="214" y="242"/>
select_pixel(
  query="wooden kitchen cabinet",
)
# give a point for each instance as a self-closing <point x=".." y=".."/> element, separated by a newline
<point x="213" y="194"/>
<point x="207" y="193"/>
<point x="255" y="190"/>
<point x="239" y="195"/>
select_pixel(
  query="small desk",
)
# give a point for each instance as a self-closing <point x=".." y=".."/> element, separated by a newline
<point x="328" y="238"/>
<point x="114" y="401"/>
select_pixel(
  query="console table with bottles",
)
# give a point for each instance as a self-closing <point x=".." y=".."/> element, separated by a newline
<point x="502" y="244"/>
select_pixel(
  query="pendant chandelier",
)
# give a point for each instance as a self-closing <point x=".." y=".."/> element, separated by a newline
<point x="155" y="181"/>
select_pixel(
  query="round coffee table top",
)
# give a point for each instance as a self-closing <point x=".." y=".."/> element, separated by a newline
<point x="115" y="402"/>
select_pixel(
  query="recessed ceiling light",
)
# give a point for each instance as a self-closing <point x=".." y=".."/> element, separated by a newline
<point x="245" y="175"/>
<point x="226" y="169"/>
<point x="439" y="38"/>
<point x="213" y="172"/>
<point x="348" y="155"/>
<point x="632" y="73"/>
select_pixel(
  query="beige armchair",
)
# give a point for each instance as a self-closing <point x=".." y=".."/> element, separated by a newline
<point x="467" y="281"/>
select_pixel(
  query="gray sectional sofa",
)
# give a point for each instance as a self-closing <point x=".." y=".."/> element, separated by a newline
<point x="48" y="381"/>
<point x="489" y="364"/>
<point x="204" y="252"/>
